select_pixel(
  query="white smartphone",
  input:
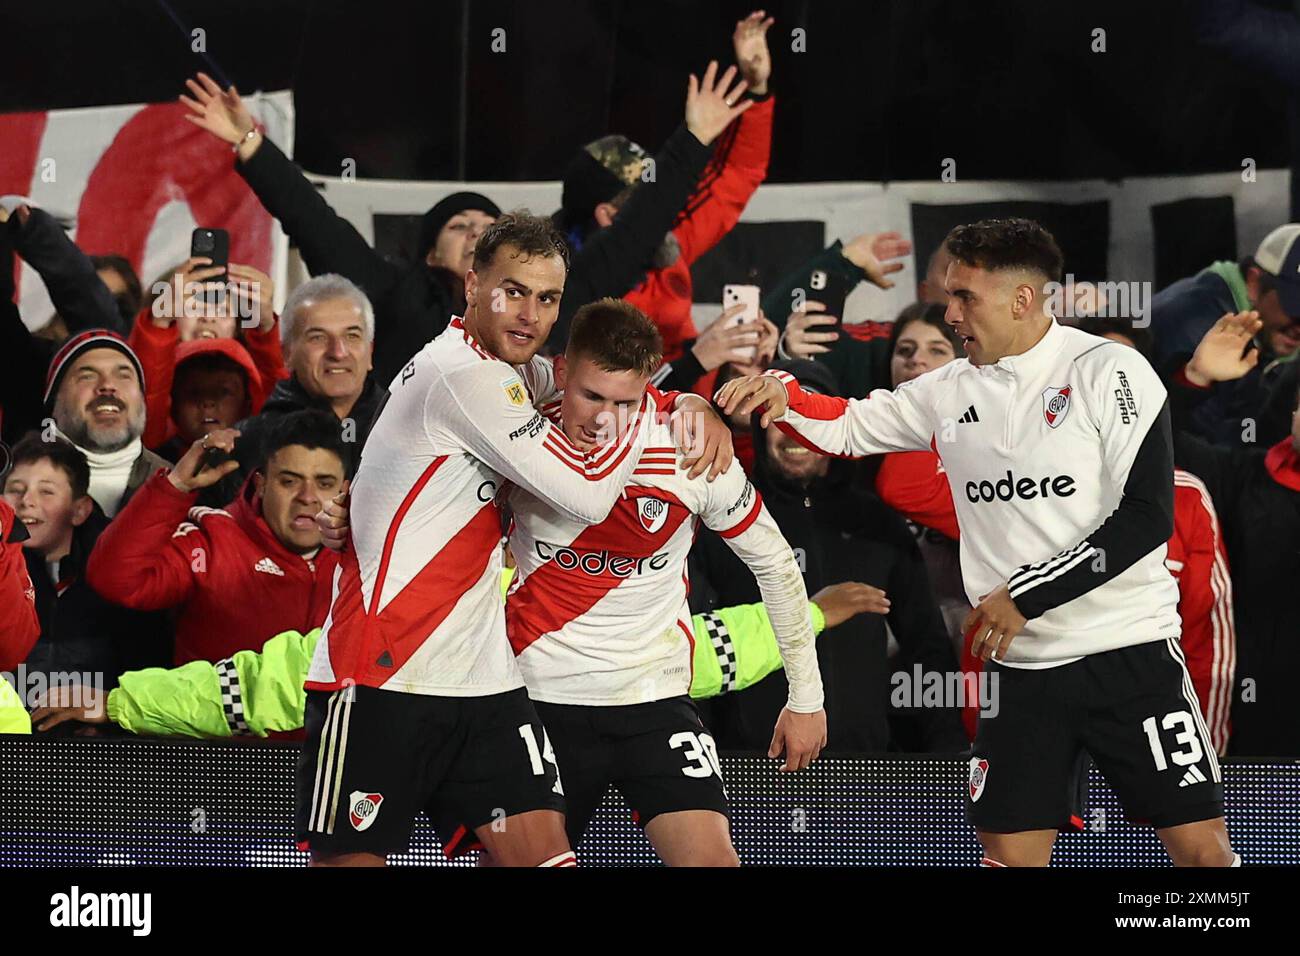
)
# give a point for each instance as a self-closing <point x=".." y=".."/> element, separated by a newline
<point x="748" y="296"/>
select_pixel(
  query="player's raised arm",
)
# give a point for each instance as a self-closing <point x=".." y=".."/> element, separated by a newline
<point x="846" y="428"/>
<point x="487" y="409"/>
<point x="1130" y="409"/>
<point x="734" y="509"/>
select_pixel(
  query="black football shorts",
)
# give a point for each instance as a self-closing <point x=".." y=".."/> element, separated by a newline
<point x="374" y="758"/>
<point x="1133" y="709"/>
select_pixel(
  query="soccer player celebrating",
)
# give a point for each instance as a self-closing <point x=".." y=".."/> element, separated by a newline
<point x="1057" y="448"/>
<point x="599" y="619"/>
<point x="415" y="700"/>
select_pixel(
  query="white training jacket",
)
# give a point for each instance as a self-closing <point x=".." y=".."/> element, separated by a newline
<point x="1060" y="463"/>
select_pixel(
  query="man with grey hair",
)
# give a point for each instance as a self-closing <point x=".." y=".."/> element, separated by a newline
<point x="94" y="391"/>
<point x="328" y="331"/>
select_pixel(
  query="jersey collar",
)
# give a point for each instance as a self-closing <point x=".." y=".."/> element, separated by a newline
<point x="1038" y="356"/>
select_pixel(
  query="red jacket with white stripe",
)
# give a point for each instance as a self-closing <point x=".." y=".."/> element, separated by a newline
<point x="1199" y="562"/>
<point x="235" y="584"/>
<point x="417" y="606"/>
<point x="738" y="167"/>
<point x="913" y="483"/>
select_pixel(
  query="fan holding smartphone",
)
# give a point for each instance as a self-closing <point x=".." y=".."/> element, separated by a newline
<point x="746" y="298"/>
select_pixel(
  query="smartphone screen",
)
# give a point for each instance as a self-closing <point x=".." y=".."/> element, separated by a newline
<point x="748" y="296"/>
<point x="830" y="290"/>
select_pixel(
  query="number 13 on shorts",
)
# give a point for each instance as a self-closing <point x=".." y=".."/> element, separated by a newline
<point x="535" y="756"/>
<point x="1183" y="722"/>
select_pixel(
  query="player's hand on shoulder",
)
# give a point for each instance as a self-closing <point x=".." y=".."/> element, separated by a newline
<point x="741" y="396"/>
<point x="799" y="737"/>
<point x="334" y="520"/>
<point x="993" y="624"/>
<point x="702" y="437"/>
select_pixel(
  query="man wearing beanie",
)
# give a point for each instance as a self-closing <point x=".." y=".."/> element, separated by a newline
<point x="413" y="301"/>
<point x="95" y="393"/>
<point x="80" y="297"/>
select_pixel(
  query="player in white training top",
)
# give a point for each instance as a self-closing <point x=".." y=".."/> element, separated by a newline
<point x="1057" y="449"/>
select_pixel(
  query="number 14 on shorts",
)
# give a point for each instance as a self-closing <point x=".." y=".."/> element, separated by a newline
<point x="536" y="756"/>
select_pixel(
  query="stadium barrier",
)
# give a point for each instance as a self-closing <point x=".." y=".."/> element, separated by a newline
<point x="81" y="802"/>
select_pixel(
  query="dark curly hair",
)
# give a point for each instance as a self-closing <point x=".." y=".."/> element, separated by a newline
<point x="995" y="244"/>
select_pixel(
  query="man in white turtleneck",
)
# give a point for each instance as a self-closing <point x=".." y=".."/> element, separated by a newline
<point x="95" y="388"/>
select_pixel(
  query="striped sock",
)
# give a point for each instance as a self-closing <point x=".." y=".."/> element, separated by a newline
<point x="564" y="859"/>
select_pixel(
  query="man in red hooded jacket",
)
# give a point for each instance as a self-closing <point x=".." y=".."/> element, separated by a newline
<point x="240" y="573"/>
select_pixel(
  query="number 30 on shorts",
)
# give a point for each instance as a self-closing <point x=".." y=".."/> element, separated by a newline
<point x="535" y="756"/>
<point x="701" y="754"/>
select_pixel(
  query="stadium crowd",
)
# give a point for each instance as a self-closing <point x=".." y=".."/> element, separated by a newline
<point x="169" y="448"/>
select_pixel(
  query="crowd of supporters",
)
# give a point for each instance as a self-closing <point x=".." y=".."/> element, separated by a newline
<point x="169" y="448"/>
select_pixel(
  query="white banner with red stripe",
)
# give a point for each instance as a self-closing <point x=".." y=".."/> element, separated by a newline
<point x="135" y="181"/>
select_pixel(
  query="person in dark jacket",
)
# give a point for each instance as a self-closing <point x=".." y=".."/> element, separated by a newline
<point x="1268" y="282"/>
<point x="618" y="218"/>
<point x="1256" y="491"/>
<point x="858" y="353"/>
<point x="413" y="302"/>
<point x="79" y="295"/>
<point x="840" y="533"/>
<point x="328" y="330"/>
<point x="79" y="631"/>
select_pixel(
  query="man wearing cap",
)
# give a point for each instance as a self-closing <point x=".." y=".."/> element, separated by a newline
<point x="1267" y="282"/>
<point x="95" y="393"/>
<point x="413" y="302"/>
